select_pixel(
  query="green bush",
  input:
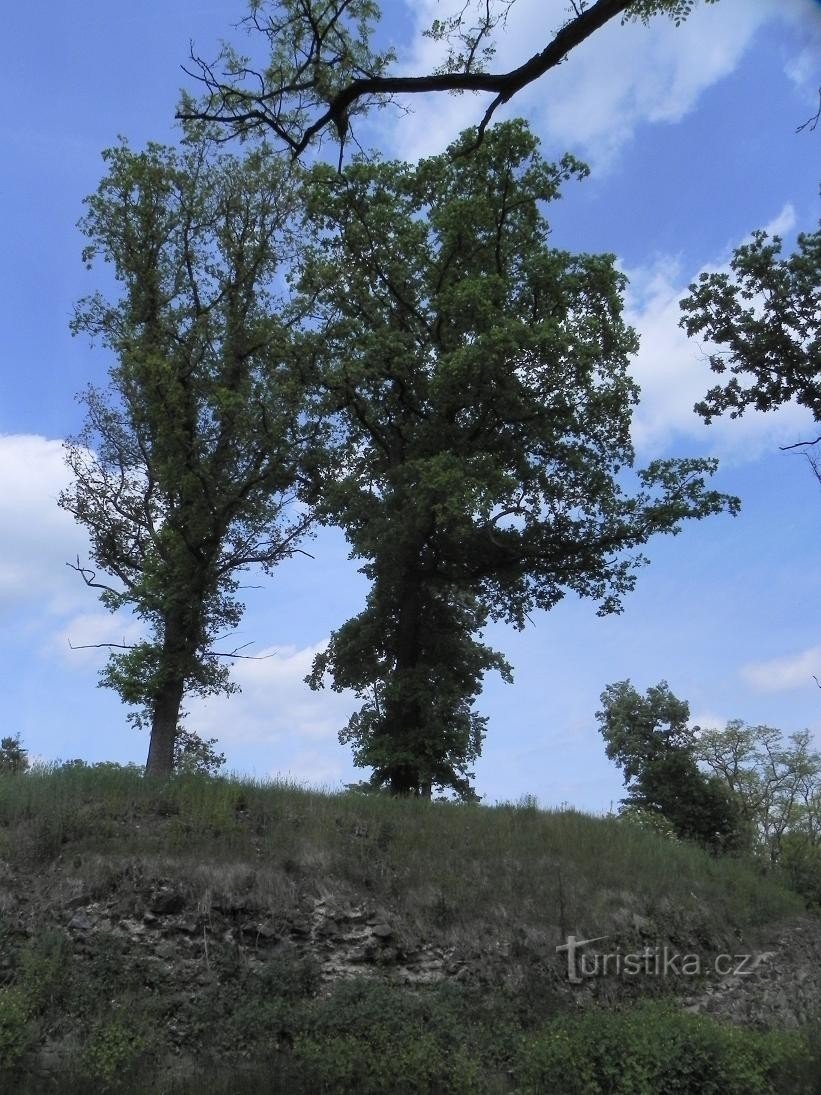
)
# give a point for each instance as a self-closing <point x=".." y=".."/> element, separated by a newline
<point x="111" y="1053"/>
<point x="801" y="863"/>
<point x="653" y="1048"/>
<point x="417" y="1062"/>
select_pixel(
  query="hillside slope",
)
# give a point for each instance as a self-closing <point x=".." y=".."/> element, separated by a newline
<point x="287" y="940"/>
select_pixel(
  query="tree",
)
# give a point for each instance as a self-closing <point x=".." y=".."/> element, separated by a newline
<point x="14" y="759"/>
<point x="775" y="781"/>
<point x="480" y="383"/>
<point x="650" y="740"/>
<point x="764" y="315"/>
<point x="188" y="466"/>
<point x="324" y="70"/>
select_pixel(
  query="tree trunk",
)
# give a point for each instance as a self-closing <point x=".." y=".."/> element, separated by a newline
<point x="165" y="718"/>
<point x="403" y="715"/>
<point x="167" y="701"/>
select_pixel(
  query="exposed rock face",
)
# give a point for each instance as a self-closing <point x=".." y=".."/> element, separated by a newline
<point x="780" y="986"/>
<point x="177" y="935"/>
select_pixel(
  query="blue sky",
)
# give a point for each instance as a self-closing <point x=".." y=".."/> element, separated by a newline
<point x="691" y="137"/>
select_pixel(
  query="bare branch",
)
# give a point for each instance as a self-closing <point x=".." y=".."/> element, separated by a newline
<point x="799" y="444"/>
<point x="813" y="121"/>
<point x="100" y="646"/>
<point x="88" y="575"/>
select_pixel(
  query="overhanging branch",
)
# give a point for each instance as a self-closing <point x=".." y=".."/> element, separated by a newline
<point x="248" y="110"/>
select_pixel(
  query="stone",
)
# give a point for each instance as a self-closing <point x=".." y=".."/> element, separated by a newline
<point x="167" y="903"/>
<point x="80" y="922"/>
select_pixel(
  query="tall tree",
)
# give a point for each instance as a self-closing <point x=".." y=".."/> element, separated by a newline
<point x="187" y="469"/>
<point x="324" y="69"/>
<point x="481" y="384"/>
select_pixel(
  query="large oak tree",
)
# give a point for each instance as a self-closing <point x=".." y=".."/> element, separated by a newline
<point x="480" y="382"/>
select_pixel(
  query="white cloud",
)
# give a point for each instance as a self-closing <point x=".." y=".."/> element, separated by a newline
<point x="280" y="718"/>
<point x="38" y="537"/>
<point x="316" y="768"/>
<point x="275" y="704"/>
<point x="708" y="720"/>
<point x="783" y="222"/>
<point x="785" y="673"/>
<point x="620" y="78"/>
<point x="804" y="67"/>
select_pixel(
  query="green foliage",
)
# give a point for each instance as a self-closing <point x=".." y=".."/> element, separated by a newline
<point x="648" y="737"/>
<point x="677" y="10"/>
<point x="763" y="316"/>
<point x="315" y="49"/>
<point x="653" y="1048"/>
<point x="16" y="1028"/>
<point x="111" y="1053"/>
<point x="187" y="466"/>
<point x="775" y="780"/>
<point x="800" y="860"/>
<point x="480" y="381"/>
<point x="13" y="757"/>
<point x="194" y="755"/>
<point x="649" y="820"/>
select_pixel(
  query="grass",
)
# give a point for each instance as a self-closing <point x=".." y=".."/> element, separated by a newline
<point x="560" y="870"/>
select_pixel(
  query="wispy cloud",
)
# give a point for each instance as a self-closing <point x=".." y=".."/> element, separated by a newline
<point x="38" y="537"/>
<point x="785" y="673"/>
<point x="619" y="79"/>
<point x="275" y="704"/>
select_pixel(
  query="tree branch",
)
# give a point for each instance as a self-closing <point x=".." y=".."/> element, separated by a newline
<point x="246" y="110"/>
<point x="813" y="121"/>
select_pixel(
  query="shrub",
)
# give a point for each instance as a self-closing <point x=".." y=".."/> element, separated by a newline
<point x="111" y="1053"/>
<point x="196" y="755"/>
<point x="653" y="1047"/>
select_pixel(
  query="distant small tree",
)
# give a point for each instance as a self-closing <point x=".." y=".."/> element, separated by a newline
<point x="649" y="738"/>
<point x="775" y="780"/>
<point x="14" y="758"/>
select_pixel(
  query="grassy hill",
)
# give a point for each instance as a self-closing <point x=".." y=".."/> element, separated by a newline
<point x="229" y="936"/>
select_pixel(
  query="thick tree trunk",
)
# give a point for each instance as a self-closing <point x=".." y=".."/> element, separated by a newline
<point x="164" y="721"/>
<point x="403" y="715"/>
<point x="165" y="713"/>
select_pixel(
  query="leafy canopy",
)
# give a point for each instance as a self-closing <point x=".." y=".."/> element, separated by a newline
<point x="187" y="469"/>
<point x="650" y="740"/>
<point x="764" y="317"/>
